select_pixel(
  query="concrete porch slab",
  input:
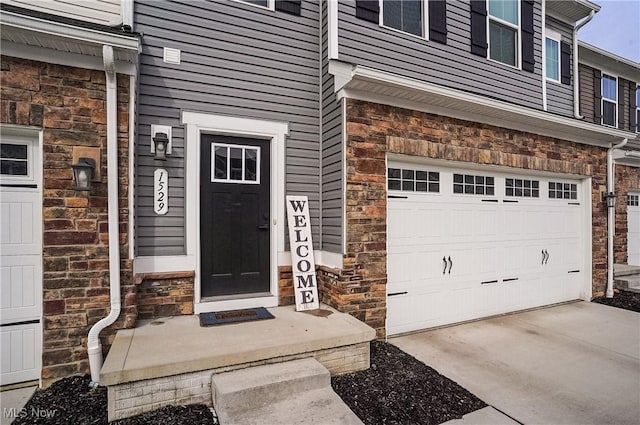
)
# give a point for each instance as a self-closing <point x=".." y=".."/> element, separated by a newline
<point x="178" y="345"/>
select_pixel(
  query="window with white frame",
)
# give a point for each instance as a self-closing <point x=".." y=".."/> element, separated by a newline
<point x="235" y="163"/>
<point x="609" y="100"/>
<point x="504" y="30"/>
<point x="262" y="3"/>
<point x="404" y="15"/>
<point x="552" y="55"/>
<point x="16" y="159"/>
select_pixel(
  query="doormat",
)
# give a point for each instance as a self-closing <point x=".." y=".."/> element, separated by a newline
<point x="217" y="318"/>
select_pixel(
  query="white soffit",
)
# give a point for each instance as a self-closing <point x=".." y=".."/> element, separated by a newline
<point x="37" y="32"/>
<point x="381" y="87"/>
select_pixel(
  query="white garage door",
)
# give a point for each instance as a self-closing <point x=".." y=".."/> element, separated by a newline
<point x="633" y="226"/>
<point x="20" y="260"/>
<point x="468" y="244"/>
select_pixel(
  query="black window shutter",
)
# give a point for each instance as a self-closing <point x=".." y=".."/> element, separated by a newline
<point x="479" y="27"/>
<point x="528" y="60"/>
<point x="289" y="6"/>
<point x="632" y="106"/>
<point x="438" y="21"/>
<point x="621" y="102"/>
<point x="565" y="62"/>
<point x="368" y="10"/>
<point x="597" y="96"/>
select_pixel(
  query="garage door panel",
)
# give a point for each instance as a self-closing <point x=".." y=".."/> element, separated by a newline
<point x="507" y="252"/>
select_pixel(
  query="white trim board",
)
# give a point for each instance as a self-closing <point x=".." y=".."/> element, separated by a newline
<point x="198" y="123"/>
<point x="180" y="263"/>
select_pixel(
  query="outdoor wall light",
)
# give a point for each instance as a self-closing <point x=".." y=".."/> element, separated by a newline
<point x="609" y="198"/>
<point x="83" y="173"/>
<point x="160" y="143"/>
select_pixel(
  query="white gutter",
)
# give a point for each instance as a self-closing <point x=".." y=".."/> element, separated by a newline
<point x="611" y="218"/>
<point x="576" y="79"/>
<point x="94" y="347"/>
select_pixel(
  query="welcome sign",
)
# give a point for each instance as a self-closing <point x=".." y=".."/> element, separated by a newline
<point x="303" y="264"/>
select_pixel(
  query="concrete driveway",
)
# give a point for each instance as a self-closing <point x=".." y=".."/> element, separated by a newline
<point x="576" y="363"/>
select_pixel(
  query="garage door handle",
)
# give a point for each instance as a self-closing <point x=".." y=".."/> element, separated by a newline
<point x="450" y="265"/>
<point x="542" y="262"/>
<point x="444" y="260"/>
<point x="546" y="253"/>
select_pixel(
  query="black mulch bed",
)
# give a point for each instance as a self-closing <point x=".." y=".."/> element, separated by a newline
<point x="70" y="401"/>
<point x="399" y="389"/>
<point x="622" y="299"/>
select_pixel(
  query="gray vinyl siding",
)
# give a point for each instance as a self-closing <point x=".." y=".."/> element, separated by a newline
<point x="332" y="166"/>
<point x="451" y="65"/>
<point x="560" y="96"/>
<point x="237" y="60"/>
<point x="586" y="95"/>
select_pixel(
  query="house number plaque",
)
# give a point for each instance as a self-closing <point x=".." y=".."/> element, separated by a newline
<point x="160" y="191"/>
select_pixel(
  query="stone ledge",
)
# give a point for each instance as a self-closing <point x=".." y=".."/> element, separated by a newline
<point x="141" y="277"/>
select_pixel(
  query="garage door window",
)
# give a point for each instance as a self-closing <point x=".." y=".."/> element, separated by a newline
<point x="14" y="159"/>
<point x="410" y="180"/>
<point x="473" y="185"/>
<point x="559" y="190"/>
<point x="522" y="188"/>
<point x="633" y="200"/>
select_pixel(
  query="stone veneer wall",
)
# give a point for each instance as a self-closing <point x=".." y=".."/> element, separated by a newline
<point x="626" y="178"/>
<point x="69" y="105"/>
<point x="164" y="294"/>
<point x="374" y="130"/>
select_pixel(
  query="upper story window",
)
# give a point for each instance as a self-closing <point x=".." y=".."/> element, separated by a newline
<point x="408" y="16"/>
<point x="268" y="4"/>
<point x="404" y="15"/>
<point x="552" y="55"/>
<point x="292" y="7"/>
<point x="504" y="29"/>
<point x="609" y="100"/>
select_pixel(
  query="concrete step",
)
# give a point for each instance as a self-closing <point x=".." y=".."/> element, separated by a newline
<point x="316" y="407"/>
<point x="294" y="392"/>
<point x="629" y="283"/>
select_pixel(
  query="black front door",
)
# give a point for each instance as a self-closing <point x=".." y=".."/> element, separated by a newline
<point x="234" y="215"/>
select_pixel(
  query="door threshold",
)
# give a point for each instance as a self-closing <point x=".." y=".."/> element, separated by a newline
<point x="235" y="302"/>
<point x="234" y="297"/>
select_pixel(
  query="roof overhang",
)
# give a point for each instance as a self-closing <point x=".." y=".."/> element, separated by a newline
<point x="363" y="83"/>
<point x="32" y="37"/>
<point x="570" y="11"/>
<point x="608" y="62"/>
<point x="630" y="158"/>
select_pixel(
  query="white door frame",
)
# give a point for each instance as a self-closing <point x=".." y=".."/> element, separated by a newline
<point x="22" y="323"/>
<point x="198" y="123"/>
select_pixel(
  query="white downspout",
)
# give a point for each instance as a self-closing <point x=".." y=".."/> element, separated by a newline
<point x="576" y="79"/>
<point x="611" y="218"/>
<point x="94" y="347"/>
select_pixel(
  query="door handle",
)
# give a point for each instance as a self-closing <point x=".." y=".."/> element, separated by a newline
<point x="444" y="260"/>
<point x="542" y="261"/>
<point x="263" y="227"/>
<point x="546" y="253"/>
<point x="450" y="265"/>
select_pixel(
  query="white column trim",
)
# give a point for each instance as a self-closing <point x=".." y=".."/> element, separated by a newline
<point x="332" y="28"/>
